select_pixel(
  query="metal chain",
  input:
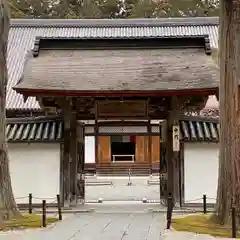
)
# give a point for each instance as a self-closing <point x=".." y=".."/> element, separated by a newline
<point x="21" y="197"/>
<point x="38" y="198"/>
<point x="211" y="198"/>
<point x="193" y="200"/>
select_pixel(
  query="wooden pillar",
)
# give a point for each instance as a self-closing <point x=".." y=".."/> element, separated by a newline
<point x="62" y="173"/>
<point x="66" y="151"/>
<point x="96" y="131"/>
<point x="181" y="174"/>
<point x="163" y="172"/>
<point x="69" y="154"/>
<point x="169" y="154"/>
<point x="172" y="151"/>
<point x="73" y="159"/>
<point x="149" y="129"/>
<point x="81" y="162"/>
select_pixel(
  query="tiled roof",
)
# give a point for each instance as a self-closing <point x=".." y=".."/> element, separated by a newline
<point x="37" y="130"/>
<point x="199" y="129"/>
<point x="23" y="33"/>
<point x="146" y="70"/>
<point x="45" y="130"/>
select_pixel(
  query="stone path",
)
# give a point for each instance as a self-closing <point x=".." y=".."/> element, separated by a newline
<point x="112" y="220"/>
<point x="114" y="226"/>
<point x="120" y="191"/>
<point x="108" y="222"/>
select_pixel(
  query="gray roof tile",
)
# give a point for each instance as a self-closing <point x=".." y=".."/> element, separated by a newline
<point x="43" y="130"/>
<point x="23" y="33"/>
<point x="199" y="130"/>
<point x="51" y="130"/>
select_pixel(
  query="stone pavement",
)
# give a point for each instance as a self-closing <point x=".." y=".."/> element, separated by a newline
<point x="120" y="191"/>
<point x="112" y="219"/>
<point x="118" y="223"/>
<point x="108" y="222"/>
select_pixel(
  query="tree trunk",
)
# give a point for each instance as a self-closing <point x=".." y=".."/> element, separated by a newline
<point x="229" y="160"/>
<point x="8" y="207"/>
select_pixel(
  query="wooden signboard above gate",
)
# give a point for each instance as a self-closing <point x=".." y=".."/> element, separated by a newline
<point x="124" y="108"/>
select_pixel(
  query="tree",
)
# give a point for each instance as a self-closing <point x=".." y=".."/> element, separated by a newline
<point x="31" y="8"/>
<point x="147" y="9"/>
<point x="171" y="8"/>
<point x="8" y="206"/>
<point x="193" y="8"/>
<point x="229" y="160"/>
<point x="76" y="9"/>
<point x="112" y="8"/>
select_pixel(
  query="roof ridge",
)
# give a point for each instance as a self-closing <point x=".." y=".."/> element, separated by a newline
<point x="111" y="23"/>
<point x="42" y="119"/>
<point x="199" y="119"/>
<point x="37" y="119"/>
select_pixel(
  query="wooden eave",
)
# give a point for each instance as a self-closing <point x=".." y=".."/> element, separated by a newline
<point x="95" y="94"/>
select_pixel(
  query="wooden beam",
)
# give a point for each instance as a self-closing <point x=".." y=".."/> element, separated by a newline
<point x="192" y="103"/>
<point x="122" y="108"/>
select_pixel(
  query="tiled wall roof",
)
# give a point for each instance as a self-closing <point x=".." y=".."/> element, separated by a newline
<point x="34" y="130"/>
<point x="23" y="33"/>
<point x="45" y="130"/>
<point x="199" y="130"/>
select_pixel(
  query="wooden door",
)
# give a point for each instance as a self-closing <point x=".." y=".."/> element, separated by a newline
<point x="155" y="150"/>
<point x="104" y="149"/>
<point x="142" y="149"/>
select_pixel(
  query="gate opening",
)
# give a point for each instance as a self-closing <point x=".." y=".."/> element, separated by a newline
<point x="123" y="148"/>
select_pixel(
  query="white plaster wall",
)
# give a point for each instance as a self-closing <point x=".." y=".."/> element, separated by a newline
<point x="89" y="149"/>
<point x="200" y="171"/>
<point x="35" y="168"/>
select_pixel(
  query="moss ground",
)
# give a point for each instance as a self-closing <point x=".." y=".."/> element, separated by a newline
<point x="202" y="224"/>
<point x="26" y="221"/>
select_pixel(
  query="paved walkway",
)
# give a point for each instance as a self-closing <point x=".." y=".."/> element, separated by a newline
<point x="108" y="222"/>
<point x="136" y="226"/>
<point x="123" y="221"/>
<point x="120" y="191"/>
<point x="107" y="226"/>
